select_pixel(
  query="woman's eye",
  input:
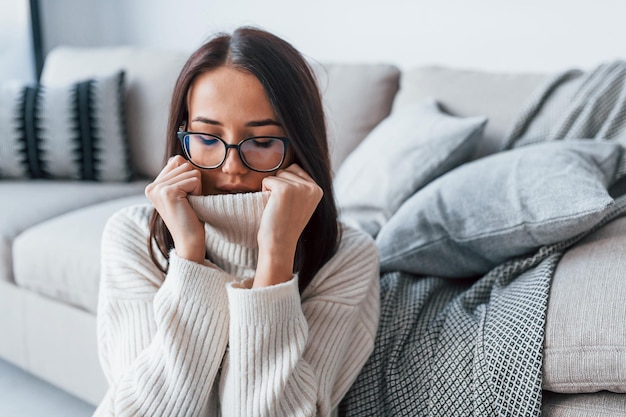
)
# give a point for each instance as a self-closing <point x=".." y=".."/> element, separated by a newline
<point x="208" y="140"/>
<point x="263" y="142"/>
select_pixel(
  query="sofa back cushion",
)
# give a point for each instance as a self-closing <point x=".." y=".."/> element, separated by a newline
<point x="498" y="96"/>
<point x="150" y="77"/>
<point x="356" y="97"/>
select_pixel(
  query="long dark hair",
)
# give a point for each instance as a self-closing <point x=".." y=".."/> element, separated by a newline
<point x="293" y="93"/>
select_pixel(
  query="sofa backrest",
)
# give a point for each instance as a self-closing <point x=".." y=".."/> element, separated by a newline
<point x="356" y="97"/>
<point x="150" y="77"/>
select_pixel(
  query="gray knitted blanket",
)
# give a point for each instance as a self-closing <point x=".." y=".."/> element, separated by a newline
<point x="474" y="348"/>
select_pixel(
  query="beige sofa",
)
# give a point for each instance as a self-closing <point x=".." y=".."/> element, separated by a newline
<point x="50" y="230"/>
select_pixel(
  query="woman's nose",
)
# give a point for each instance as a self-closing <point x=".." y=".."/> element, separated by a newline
<point x="233" y="164"/>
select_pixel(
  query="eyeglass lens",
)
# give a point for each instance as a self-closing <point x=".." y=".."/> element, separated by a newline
<point x="260" y="153"/>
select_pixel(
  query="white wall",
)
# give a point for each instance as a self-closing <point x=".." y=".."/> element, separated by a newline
<point x="16" y="59"/>
<point x="522" y="35"/>
<point x="82" y="23"/>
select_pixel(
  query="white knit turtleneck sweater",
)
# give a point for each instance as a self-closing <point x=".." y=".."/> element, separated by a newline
<point x="199" y="342"/>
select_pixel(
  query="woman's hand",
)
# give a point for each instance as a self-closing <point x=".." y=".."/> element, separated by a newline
<point x="168" y="193"/>
<point x="293" y="200"/>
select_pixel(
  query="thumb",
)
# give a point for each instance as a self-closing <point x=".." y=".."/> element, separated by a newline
<point x="197" y="190"/>
<point x="267" y="183"/>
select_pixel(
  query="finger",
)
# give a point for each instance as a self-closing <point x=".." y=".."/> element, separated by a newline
<point x="283" y="179"/>
<point x="293" y="175"/>
<point x="296" y="170"/>
<point x="172" y="163"/>
<point x="172" y="180"/>
<point x="174" y="170"/>
<point x="295" y="178"/>
<point x="186" y="182"/>
<point x="191" y="185"/>
<point x="176" y="160"/>
<point x="180" y="188"/>
<point x="195" y="180"/>
<point x="290" y="183"/>
<point x="274" y="182"/>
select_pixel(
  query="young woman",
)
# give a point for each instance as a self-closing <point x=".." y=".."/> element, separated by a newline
<point x="237" y="292"/>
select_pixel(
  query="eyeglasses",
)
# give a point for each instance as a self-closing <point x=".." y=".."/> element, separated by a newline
<point x="259" y="153"/>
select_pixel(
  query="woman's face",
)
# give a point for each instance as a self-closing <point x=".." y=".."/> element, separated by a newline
<point x="231" y="104"/>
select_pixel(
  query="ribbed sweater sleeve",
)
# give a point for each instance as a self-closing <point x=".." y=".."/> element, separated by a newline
<point x="297" y="357"/>
<point x="161" y="343"/>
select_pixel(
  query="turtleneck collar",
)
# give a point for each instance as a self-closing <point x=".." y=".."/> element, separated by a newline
<point x="232" y="223"/>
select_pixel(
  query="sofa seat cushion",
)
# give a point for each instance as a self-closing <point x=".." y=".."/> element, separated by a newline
<point x="27" y="203"/>
<point x="604" y="404"/>
<point x="67" y="250"/>
<point x="585" y="337"/>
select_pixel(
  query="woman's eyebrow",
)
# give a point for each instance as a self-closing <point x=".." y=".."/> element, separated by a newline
<point x="265" y="122"/>
<point x="253" y="123"/>
<point x="207" y="121"/>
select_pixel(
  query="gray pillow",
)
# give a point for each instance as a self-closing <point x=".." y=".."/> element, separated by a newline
<point x="502" y="206"/>
<point x="406" y="151"/>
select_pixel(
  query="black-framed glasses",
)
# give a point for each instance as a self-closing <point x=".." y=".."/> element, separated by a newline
<point x="259" y="153"/>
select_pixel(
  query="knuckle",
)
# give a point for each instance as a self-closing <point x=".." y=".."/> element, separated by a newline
<point x="166" y="193"/>
<point x="151" y="189"/>
<point x="175" y="161"/>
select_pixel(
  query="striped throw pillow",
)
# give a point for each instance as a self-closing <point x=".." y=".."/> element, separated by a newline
<point x="65" y="132"/>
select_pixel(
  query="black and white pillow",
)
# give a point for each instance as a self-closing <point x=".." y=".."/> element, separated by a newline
<point x="65" y="132"/>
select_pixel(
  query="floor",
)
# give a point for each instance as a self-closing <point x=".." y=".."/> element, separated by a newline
<point x="23" y="395"/>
